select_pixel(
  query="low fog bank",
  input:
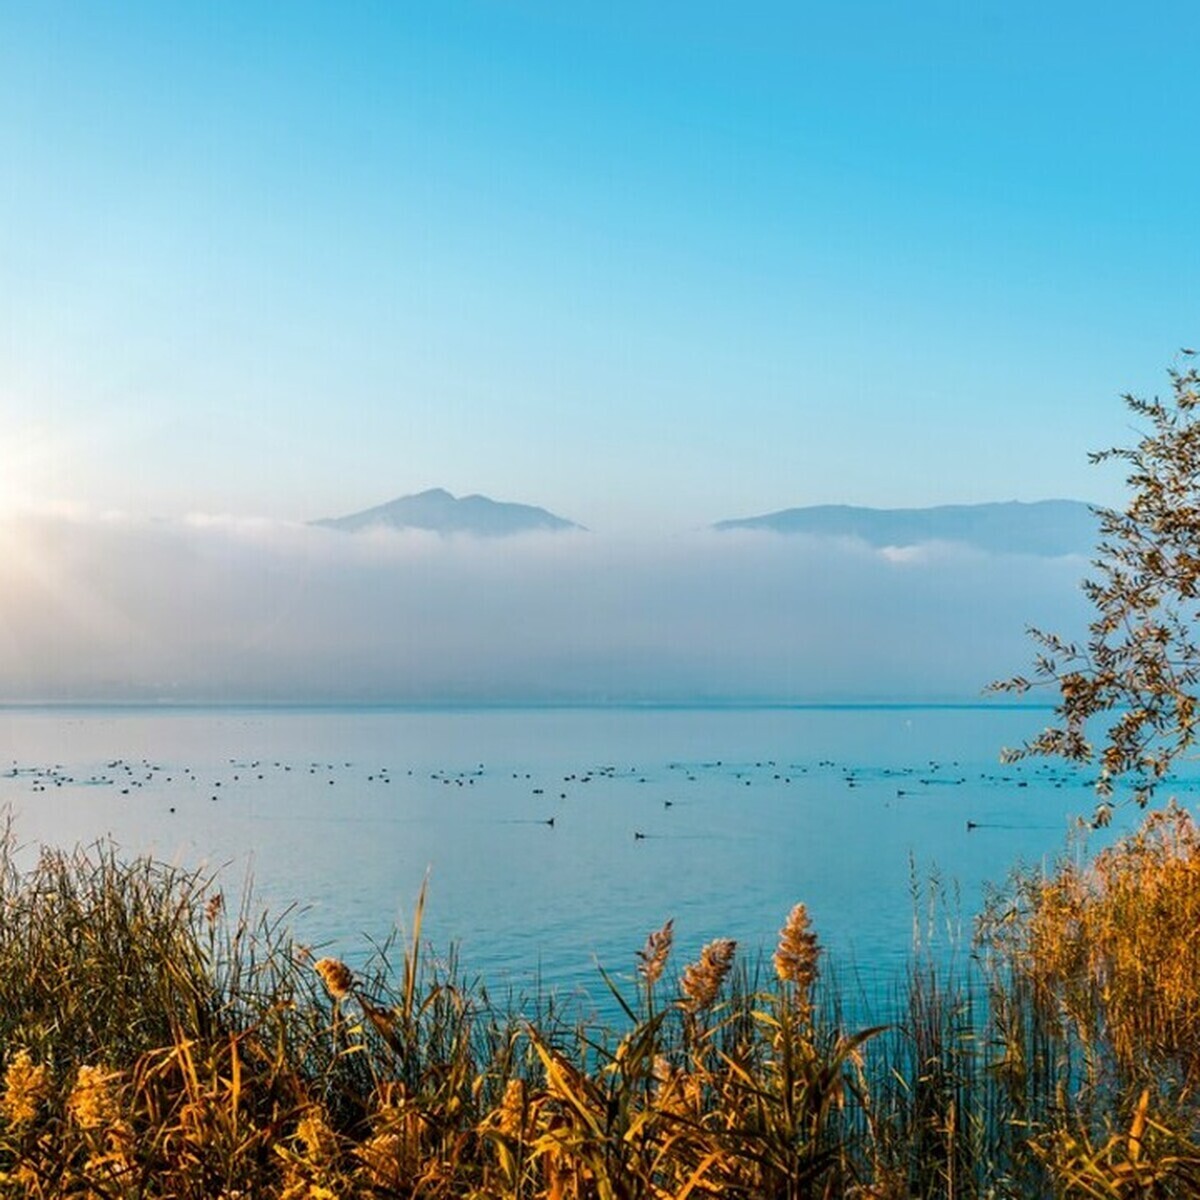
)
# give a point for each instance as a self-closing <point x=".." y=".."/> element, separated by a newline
<point x="214" y="609"/>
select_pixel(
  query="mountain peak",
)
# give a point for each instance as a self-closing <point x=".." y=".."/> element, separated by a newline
<point x="439" y="511"/>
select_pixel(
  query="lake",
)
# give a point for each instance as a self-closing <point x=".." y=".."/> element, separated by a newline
<point x="555" y="839"/>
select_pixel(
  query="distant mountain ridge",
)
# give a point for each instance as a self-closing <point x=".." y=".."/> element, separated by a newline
<point x="437" y="511"/>
<point x="1046" y="528"/>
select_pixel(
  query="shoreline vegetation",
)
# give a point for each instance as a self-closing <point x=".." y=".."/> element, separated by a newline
<point x="154" y="1043"/>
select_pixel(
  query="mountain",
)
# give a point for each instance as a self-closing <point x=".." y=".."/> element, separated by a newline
<point x="440" y="512"/>
<point x="1047" y="528"/>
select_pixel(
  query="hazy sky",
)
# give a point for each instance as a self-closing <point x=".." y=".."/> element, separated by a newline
<point x="647" y="265"/>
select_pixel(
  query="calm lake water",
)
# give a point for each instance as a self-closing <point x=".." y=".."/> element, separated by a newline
<point x="722" y="819"/>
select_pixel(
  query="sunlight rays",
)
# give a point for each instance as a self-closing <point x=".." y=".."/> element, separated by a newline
<point x="51" y="609"/>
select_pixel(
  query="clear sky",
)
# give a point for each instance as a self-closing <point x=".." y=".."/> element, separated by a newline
<point x="648" y="265"/>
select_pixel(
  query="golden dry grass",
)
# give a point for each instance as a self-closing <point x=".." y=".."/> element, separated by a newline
<point x="154" y="1044"/>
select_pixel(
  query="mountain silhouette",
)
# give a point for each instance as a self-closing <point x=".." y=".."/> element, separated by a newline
<point x="1047" y="528"/>
<point x="438" y="511"/>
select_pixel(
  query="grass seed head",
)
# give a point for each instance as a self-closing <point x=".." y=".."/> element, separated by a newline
<point x="702" y="979"/>
<point x="336" y="976"/>
<point x="510" y="1116"/>
<point x="652" y="957"/>
<point x="796" y="956"/>
<point x="92" y="1103"/>
<point x="26" y="1085"/>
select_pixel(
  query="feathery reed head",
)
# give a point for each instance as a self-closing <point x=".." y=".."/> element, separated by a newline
<point x="336" y="976"/>
<point x="93" y="1101"/>
<point x="26" y="1085"/>
<point x="798" y="950"/>
<point x="510" y="1115"/>
<point x="702" y="979"/>
<point x="652" y="957"/>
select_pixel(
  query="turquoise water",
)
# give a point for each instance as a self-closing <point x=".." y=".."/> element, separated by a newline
<point x="719" y="818"/>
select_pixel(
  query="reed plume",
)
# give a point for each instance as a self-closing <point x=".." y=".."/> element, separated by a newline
<point x="702" y="979"/>
<point x="336" y="976"/>
<point x="510" y="1115"/>
<point x="652" y="957"/>
<point x="92" y="1103"/>
<point x="26" y="1085"/>
<point x="796" y="958"/>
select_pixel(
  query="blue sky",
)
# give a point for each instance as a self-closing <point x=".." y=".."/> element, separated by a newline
<point x="647" y="265"/>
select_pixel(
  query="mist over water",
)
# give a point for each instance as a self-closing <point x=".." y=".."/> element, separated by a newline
<point x="229" y="610"/>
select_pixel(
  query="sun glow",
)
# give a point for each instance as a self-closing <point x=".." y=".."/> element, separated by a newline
<point x="31" y="460"/>
<point x="44" y="600"/>
<point x="38" y="592"/>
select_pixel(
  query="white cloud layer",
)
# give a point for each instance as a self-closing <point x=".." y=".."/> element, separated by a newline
<point x="221" y="609"/>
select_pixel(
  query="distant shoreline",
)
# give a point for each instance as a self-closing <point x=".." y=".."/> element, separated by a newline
<point x="183" y="706"/>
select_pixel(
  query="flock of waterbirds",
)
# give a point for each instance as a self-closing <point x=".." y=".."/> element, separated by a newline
<point x="172" y="783"/>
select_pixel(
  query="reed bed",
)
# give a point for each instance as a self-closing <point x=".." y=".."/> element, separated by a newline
<point x="154" y="1043"/>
